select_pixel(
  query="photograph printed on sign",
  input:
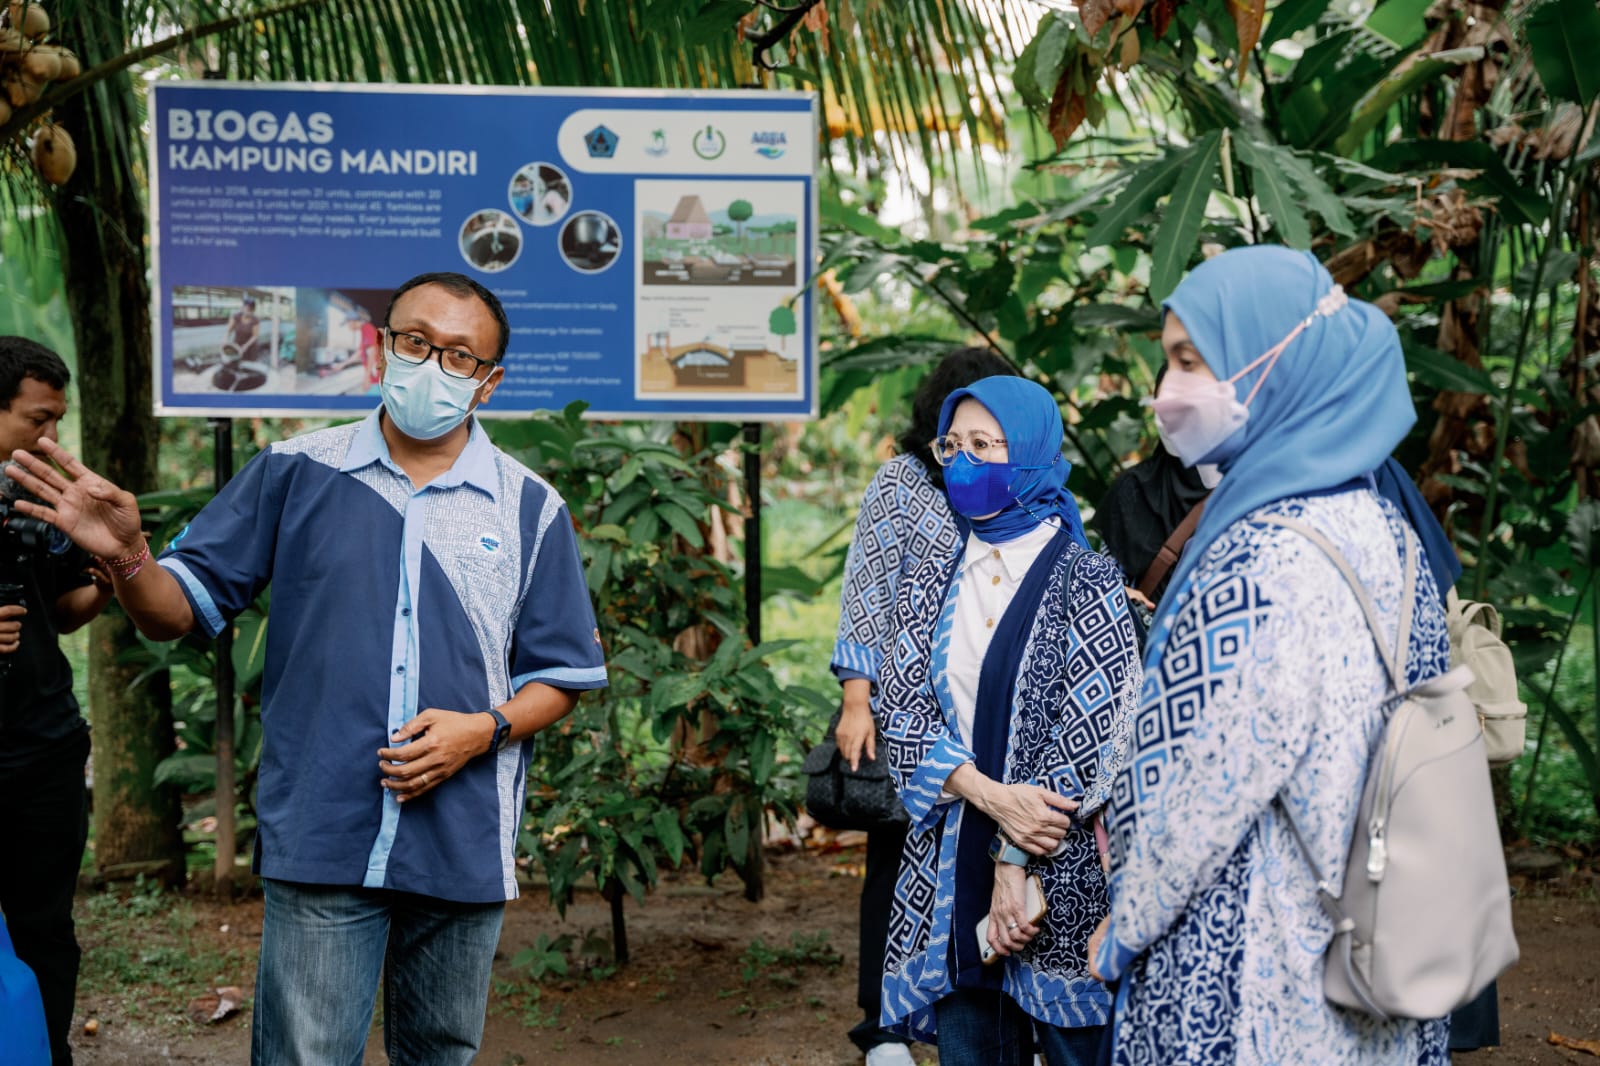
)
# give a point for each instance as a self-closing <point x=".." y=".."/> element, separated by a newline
<point x="276" y="340"/>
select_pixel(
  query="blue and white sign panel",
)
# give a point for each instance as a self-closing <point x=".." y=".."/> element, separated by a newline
<point x="652" y="249"/>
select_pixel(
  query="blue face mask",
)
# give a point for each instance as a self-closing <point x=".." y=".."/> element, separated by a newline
<point x="424" y="401"/>
<point x="977" y="489"/>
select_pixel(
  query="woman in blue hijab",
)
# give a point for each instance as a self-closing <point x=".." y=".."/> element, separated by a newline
<point x="1263" y="689"/>
<point x="1005" y="702"/>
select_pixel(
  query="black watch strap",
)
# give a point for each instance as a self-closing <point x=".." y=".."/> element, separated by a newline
<point x="502" y="731"/>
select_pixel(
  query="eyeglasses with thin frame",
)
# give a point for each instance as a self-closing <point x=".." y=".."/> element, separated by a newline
<point x="978" y="448"/>
<point x="410" y="348"/>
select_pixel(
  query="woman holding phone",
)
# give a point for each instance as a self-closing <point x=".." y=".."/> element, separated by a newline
<point x="1005" y="702"/>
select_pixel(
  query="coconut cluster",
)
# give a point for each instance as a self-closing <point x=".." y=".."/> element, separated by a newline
<point x="28" y="63"/>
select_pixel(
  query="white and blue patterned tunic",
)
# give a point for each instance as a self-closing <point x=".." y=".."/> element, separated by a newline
<point x="904" y="520"/>
<point x="1267" y="680"/>
<point x="1072" y="709"/>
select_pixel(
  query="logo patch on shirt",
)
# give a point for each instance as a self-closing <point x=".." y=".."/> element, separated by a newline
<point x="490" y="544"/>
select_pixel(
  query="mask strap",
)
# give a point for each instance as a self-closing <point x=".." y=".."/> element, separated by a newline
<point x="1331" y="302"/>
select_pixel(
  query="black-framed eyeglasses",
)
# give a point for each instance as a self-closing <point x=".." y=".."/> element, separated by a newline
<point x="978" y="448"/>
<point x="410" y="348"/>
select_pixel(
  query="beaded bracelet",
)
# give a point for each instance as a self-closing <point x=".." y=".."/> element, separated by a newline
<point x="126" y="566"/>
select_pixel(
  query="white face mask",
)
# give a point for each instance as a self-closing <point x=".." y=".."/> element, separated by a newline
<point x="1200" y="419"/>
<point x="425" y="402"/>
<point x="1196" y="414"/>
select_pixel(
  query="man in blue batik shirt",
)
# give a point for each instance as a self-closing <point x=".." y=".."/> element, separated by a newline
<point x="429" y="616"/>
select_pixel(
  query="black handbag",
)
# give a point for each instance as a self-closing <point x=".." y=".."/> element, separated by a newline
<point x="841" y="798"/>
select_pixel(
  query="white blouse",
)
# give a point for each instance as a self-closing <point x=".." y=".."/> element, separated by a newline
<point x="989" y="578"/>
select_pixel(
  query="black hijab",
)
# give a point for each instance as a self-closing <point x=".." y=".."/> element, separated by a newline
<point x="1141" y="509"/>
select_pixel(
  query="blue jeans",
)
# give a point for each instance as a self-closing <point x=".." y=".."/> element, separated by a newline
<point x="981" y="1027"/>
<point x="322" y="950"/>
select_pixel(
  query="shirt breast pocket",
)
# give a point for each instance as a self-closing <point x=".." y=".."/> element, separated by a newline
<point x="486" y="581"/>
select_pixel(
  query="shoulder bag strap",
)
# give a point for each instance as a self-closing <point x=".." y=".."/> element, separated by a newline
<point x="1393" y="664"/>
<point x="1167" y="556"/>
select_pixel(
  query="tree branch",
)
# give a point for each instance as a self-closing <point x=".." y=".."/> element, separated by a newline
<point x="66" y="90"/>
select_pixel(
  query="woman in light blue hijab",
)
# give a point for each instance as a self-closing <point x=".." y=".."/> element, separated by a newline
<point x="1005" y="703"/>
<point x="1262" y="680"/>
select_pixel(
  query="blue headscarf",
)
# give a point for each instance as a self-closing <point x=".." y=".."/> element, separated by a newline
<point x="1031" y="423"/>
<point x="1334" y="405"/>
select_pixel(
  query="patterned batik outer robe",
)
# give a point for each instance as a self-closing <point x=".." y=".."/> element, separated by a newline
<point x="1076" y="689"/>
<point x="1267" y="680"/>
<point x="904" y="519"/>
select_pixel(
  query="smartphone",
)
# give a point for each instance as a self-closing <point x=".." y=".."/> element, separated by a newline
<point x="1032" y="902"/>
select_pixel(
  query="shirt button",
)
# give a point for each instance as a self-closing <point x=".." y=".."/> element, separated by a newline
<point x="400" y="669"/>
<point x="405" y="612"/>
<point x="989" y="622"/>
<point x="997" y="553"/>
<point x="995" y="580"/>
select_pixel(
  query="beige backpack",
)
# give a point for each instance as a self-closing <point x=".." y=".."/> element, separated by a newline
<point x="1475" y="642"/>
<point x="1422" y="921"/>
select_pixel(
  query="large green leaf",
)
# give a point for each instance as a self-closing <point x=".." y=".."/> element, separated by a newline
<point x="1149" y="181"/>
<point x="1291" y="16"/>
<point x="1564" y="38"/>
<point x="1583" y="533"/>
<point x="1275" y="193"/>
<point x="1374" y="107"/>
<point x="1180" y="225"/>
<point x="1433" y="367"/>
<point x="1400" y="22"/>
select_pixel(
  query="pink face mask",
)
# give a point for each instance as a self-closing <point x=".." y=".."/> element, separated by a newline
<point x="1200" y="419"/>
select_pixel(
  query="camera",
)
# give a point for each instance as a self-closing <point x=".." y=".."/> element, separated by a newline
<point x="24" y="539"/>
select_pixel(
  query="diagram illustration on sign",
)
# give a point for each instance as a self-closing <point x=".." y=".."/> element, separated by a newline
<point x="717" y="282"/>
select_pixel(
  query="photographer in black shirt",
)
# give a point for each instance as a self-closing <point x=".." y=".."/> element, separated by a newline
<point x="47" y="588"/>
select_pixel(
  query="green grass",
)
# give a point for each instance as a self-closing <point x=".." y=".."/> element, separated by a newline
<point x="144" y="958"/>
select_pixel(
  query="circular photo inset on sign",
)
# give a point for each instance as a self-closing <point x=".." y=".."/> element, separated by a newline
<point x="540" y="194"/>
<point x="491" y="240"/>
<point x="590" y="241"/>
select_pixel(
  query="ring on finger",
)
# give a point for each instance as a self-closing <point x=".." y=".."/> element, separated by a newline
<point x="424" y="777"/>
<point x="1011" y="925"/>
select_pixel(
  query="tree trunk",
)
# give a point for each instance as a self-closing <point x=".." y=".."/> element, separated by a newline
<point x="102" y="224"/>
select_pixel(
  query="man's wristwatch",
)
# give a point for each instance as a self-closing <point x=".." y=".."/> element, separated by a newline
<point x="502" y="731"/>
<point x="1002" y="850"/>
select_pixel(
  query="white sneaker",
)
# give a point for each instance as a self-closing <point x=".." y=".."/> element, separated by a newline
<point x="890" y="1055"/>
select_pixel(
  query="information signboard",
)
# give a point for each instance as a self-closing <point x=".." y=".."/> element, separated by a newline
<point x="652" y="249"/>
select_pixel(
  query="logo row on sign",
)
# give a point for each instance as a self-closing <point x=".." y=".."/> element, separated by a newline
<point x="624" y="140"/>
<point x="708" y="143"/>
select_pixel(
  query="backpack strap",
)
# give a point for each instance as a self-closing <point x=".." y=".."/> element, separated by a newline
<point x="1167" y="555"/>
<point x="1327" y="894"/>
<point x="1393" y="662"/>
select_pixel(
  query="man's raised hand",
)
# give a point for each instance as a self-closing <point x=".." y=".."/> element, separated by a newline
<point x="101" y="518"/>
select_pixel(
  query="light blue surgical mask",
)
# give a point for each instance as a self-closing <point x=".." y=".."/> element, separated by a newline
<point x="424" y="401"/>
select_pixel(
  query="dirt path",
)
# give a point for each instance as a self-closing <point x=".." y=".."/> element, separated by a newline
<point x="713" y="979"/>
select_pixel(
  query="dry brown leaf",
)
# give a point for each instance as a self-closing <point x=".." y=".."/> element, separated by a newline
<point x="1096" y="13"/>
<point x="816" y="21"/>
<point x="846" y="18"/>
<point x="1129" y="54"/>
<point x="1067" y="110"/>
<point x="1573" y="1044"/>
<point x="1247" y="19"/>
<point x="1161" y="16"/>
